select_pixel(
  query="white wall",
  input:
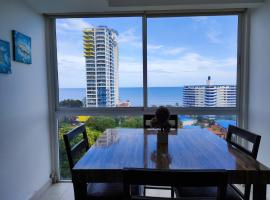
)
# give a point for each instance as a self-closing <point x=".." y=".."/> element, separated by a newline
<point x="24" y="130"/>
<point x="259" y="108"/>
<point x="82" y="6"/>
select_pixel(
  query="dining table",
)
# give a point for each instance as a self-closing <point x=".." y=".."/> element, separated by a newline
<point x="181" y="149"/>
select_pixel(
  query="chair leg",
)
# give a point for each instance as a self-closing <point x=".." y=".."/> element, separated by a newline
<point x="172" y="192"/>
<point x="247" y="192"/>
<point x="80" y="190"/>
<point x="259" y="191"/>
<point x="221" y="193"/>
<point x="144" y="191"/>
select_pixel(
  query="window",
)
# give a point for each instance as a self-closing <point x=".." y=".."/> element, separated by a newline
<point x="192" y="61"/>
<point x="100" y="62"/>
<point x="112" y="70"/>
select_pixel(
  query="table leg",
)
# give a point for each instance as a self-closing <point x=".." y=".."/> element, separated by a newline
<point x="259" y="192"/>
<point x="80" y="190"/>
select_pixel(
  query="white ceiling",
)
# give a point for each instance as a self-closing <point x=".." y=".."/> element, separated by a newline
<point x="89" y="6"/>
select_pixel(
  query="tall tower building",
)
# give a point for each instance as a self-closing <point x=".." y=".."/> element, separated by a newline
<point x="102" y="67"/>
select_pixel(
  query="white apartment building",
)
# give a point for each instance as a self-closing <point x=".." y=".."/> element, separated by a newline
<point x="102" y="67"/>
<point x="209" y="95"/>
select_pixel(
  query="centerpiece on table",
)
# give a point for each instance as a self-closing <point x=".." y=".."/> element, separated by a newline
<point x="161" y="121"/>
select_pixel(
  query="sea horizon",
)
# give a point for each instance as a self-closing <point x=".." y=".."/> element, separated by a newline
<point x="156" y="95"/>
<point x="126" y="87"/>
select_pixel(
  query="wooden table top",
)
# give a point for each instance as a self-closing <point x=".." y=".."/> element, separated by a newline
<point x="186" y="149"/>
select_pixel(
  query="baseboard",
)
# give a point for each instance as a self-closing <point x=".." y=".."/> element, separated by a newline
<point x="37" y="194"/>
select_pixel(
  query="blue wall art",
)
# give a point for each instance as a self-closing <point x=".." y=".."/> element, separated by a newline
<point x="5" y="63"/>
<point x="21" y="48"/>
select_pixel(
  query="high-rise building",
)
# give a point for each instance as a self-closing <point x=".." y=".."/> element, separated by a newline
<point x="102" y="67"/>
<point x="209" y="95"/>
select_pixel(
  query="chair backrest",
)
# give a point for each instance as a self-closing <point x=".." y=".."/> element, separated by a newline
<point x="184" y="178"/>
<point x="73" y="146"/>
<point x="253" y="138"/>
<point x="173" y="120"/>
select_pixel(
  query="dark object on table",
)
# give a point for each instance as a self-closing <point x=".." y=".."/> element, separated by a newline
<point x="147" y="118"/>
<point x="161" y="119"/>
<point x="200" y="178"/>
<point x="94" y="191"/>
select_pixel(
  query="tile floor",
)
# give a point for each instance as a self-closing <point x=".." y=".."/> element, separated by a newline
<point x="59" y="191"/>
<point x="64" y="191"/>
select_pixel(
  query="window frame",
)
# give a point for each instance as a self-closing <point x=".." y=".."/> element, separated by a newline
<point x="56" y="112"/>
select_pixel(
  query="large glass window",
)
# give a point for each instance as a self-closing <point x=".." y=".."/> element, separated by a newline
<point x="100" y="62"/>
<point x="190" y="64"/>
<point x="192" y="61"/>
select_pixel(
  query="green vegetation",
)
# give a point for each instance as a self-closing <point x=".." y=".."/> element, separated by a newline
<point x="64" y="127"/>
<point x="71" y="103"/>
<point x="95" y="126"/>
<point x="131" y="122"/>
<point x="101" y="123"/>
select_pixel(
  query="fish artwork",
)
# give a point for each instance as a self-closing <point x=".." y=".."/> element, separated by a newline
<point x="21" y="48"/>
<point x="5" y="63"/>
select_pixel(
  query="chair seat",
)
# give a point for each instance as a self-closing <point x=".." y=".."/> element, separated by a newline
<point x="108" y="191"/>
<point x="205" y="192"/>
<point x="105" y="191"/>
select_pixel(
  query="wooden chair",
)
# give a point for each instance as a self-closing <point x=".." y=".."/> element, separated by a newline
<point x="76" y="142"/>
<point x="232" y="193"/>
<point x="253" y="140"/>
<point x="173" y="120"/>
<point x="186" y="178"/>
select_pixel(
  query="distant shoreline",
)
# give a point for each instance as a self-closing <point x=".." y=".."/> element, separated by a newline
<point x="129" y="87"/>
<point x="156" y="95"/>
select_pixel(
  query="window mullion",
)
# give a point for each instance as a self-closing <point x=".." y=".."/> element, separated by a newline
<point x="144" y="43"/>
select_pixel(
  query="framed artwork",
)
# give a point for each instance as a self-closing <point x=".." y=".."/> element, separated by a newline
<point x="21" y="48"/>
<point x="5" y="62"/>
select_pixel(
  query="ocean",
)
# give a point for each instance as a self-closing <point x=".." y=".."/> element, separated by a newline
<point x="157" y="96"/>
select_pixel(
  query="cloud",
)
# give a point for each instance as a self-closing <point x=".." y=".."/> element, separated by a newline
<point x="173" y="50"/>
<point x="167" y="65"/>
<point x="71" y="71"/>
<point x="199" y="18"/>
<point x="130" y="37"/>
<point x="160" y="71"/>
<point x="214" y="35"/>
<point x="73" y="24"/>
<point x="190" y="68"/>
<point x="131" y="72"/>
<point x="210" y="27"/>
<point x="164" y="50"/>
<point x="153" y="47"/>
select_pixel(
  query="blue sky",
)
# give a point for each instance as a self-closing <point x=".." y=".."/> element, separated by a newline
<point x="181" y="50"/>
